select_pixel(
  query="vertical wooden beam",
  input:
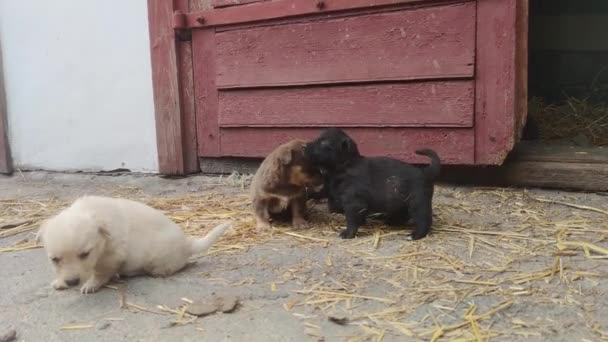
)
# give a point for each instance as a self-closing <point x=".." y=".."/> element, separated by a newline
<point x="206" y="92"/>
<point x="6" y="161"/>
<point x="175" y="128"/>
<point x="521" y="65"/>
<point x="187" y="96"/>
<point x="501" y="73"/>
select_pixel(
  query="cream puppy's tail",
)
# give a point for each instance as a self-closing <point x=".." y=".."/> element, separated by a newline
<point x="202" y="245"/>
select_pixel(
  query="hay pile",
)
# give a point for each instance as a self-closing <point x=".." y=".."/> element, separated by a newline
<point x="19" y="216"/>
<point x="571" y="118"/>
<point x="491" y="251"/>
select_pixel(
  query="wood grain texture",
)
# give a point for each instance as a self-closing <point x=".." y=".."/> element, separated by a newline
<point x="426" y="43"/>
<point x="454" y="146"/>
<point x="227" y="3"/>
<point x="166" y="87"/>
<point x="283" y="9"/>
<point x="187" y="97"/>
<point x="521" y="65"/>
<point x="396" y="105"/>
<point x="187" y="106"/>
<point x="6" y="160"/>
<point x="573" y="176"/>
<point x="499" y="92"/>
<point x="546" y="152"/>
<point x="554" y="175"/>
<point x="200" y="5"/>
<point x="206" y="92"/>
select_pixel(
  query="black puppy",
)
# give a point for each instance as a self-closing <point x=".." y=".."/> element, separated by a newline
<point x="358" y="186"/>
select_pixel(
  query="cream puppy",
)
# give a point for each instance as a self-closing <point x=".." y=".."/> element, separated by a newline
<point x="97" y="238"/>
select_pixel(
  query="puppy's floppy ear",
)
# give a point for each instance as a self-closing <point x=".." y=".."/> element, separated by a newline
<point x="104" y="231"/>
<point x="101" y="227"/>
<point x="286" y="157"/>
<point x="347" y="145"/>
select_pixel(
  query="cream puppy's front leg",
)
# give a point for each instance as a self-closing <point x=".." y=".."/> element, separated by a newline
<point x="96" y="281"/>
<point x="105" y="269"/>
<point x="59" y="284"/>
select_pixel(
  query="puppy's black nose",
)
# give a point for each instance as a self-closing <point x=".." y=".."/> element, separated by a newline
<point x="73" y="282"/>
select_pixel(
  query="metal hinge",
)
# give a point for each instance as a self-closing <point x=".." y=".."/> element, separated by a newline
<point x="182" y="32"/>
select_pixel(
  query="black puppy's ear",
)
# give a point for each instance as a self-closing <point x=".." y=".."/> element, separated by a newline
<point x="346" y="145"/>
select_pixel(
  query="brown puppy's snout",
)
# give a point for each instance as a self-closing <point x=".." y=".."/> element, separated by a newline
<point x="316" y="179"/>
<point x="73" y="281"/>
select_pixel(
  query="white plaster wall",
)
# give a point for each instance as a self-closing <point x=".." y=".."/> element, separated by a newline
<point x="78" y="84"/>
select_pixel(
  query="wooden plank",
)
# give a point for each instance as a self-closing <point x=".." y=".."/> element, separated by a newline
<point x="426" y="43"/>
<point x="203" y="42"/>
<point x="546" y="152"/>
<point x="454" y="146"/>
<point x="188" y="110"/>
<point x="226" y="3"/>
<point x="552" y="175"/>
<point x="521" y="67"/>
<point x="200" y="5"/>
<point x="229" y="165"/>
<point x="166" y="88"/>
<point x="541" y="165"/>
<point x="573" y="176"/>
<point x="281" y="9"/>
<point x="498" y="98"/>
<point x="6" y="161"/>
<point x="447" y="104"/>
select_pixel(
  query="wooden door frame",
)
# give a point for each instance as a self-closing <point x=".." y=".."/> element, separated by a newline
<point x="501" y="63"/>
<point x="6" y="161"/>
<point x="173" y="90"/>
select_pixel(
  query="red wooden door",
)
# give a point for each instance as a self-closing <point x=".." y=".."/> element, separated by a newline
<point x="396" y="74"/>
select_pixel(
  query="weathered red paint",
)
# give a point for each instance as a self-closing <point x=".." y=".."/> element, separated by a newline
<point x="281" y="9"/>
<point x="174" y="142"/>
<point x="226" y="3"/>
<point x="188" y="110"/>
<point x="428" y="43"/>
<point x="500" y="93"/>
<point x="432" y="104"/>
<point x="206" y="92"/>
<point x="165" y="83"/>
<point x="454" y="146"/>
<point x="401" y="74"/>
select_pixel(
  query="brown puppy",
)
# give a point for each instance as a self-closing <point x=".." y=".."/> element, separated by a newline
<point x="279" y="186"/>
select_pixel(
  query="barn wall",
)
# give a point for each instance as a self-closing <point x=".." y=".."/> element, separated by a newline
<point x="78" y="84"/>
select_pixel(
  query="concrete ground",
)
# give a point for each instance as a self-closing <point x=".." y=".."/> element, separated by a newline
<point x="501" y="264"/>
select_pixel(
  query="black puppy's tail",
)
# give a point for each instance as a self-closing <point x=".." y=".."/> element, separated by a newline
<point x="431" y="171"/>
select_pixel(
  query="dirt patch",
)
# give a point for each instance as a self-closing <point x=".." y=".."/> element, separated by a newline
<point x="501" y="264"/>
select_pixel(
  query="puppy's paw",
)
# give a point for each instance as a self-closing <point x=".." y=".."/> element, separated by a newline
<point x="262" y="227"/>
<point x="416" y="236"/>
<point x="299" y="223"/>
<point x="345" y="234"/>
<point x="59" y="284"/>
<point x="92" y="285"/>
